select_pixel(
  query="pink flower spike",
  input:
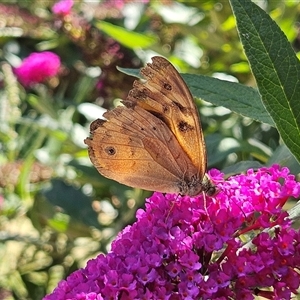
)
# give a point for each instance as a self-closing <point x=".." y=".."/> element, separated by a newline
<point x="62" y="7"/>
<point x="178" y="250"/>
<point x="37" y="67"/>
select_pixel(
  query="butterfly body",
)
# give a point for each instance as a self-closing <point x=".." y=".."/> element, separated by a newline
<point x="154" y="141"/>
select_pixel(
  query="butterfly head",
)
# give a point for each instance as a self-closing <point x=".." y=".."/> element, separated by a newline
<point x="194" y="186"/>
<point x="208" y="186"/>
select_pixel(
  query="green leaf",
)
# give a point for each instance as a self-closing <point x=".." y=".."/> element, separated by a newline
<point x="42" y="105"/>
<point x="241" y="166"/>
<point x="284" y="157"/>
<point x="275" y="67"/>
<point x="73" y="201"/>
<point x="125" y="37"/>
<point x="239" y="98"/>
<point x="58" y="225"/>
<point x="129" y="71"/>
<point x="218" y="148"/>
<point x="24" y="179"/>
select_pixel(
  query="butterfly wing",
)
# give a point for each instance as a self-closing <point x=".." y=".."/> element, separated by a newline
<point x="166" y="95"/>
<point x="135" y="148"/>
<point x="155" y="141"/>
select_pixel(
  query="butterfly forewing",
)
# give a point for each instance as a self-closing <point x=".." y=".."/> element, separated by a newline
<point x="166" y="95"/>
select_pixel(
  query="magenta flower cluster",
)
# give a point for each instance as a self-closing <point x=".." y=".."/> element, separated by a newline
<point x="236" y="245"/>
<point x="62" y="7"/>
<point x="38" y="67"/>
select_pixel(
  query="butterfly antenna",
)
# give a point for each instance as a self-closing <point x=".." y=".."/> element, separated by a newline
<point x="172" y="206"/>
<point x="205" y="204"/>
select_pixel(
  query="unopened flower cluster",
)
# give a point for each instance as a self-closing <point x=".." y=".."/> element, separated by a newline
<point x="235" y="245"/>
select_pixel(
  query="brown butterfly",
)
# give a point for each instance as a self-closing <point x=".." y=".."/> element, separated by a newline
<point x="155" y="141"/>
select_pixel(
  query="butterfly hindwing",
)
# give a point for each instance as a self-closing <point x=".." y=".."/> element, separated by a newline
<point x="135" y="148"/>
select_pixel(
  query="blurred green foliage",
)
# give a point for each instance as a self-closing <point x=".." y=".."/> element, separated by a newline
<point x="56" y="211"/>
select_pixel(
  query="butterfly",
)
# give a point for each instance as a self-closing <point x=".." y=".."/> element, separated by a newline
<point x="155" y="141"/>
